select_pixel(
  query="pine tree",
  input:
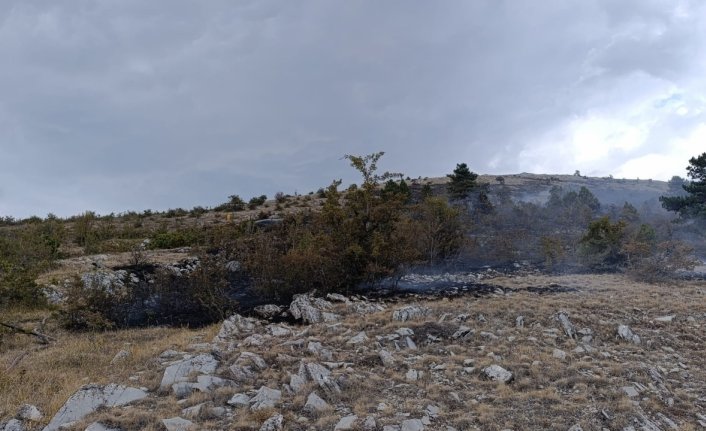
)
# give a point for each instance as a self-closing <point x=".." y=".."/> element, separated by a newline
<point x="462" y="182"/>
<point x="693" y="205"/>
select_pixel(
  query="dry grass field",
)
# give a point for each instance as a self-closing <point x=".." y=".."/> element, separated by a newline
<point x="558" y="381"/>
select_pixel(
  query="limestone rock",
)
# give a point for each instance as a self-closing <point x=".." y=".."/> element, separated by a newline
<point x="319" y="350"/>
<point x="346" y="423"/>
<point x="236" y="326"/>
<point x="311" y="310"/>
<point x="559" y="354"/>
<point x="566" y="325"/>
<point x="268" y="311"/>
<point x="320" y="375"/>
<point x="462" y="332"/>
<point x="296" y="382"/>
<point x="359" y="338"/>
<point x="193" y="411"/>
<point x="386" y="357"/>
<point x="497" y="373"/>
<point x="412" y="375"/>
<point x="278" y="330"/>
<point x="630" y="391"/>
<point x="412" y="425"/>
<point x="274" y="423"/>
<point x="409" y="312"/>
<point x="97" y="426"/>
<point x="28" y="412"/>
<point x="265" y="398"/>
<point x="90" y="398"/>
<point x="315" y="403"/>
<point x="238" y="400"/>
<point x="520" y="322"/>
<point x="626" y="334"/>
<point x="12" y="425"/>
<point x="178" y="424"/>
<point x="180" y="372"/>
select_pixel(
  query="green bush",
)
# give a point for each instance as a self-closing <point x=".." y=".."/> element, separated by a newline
<point x="176" y="239"/>
<point x="602" y="245"/>
<point x="257" y="201"/>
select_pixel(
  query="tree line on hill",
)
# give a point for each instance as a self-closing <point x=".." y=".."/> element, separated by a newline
<point x="376" y="230"/>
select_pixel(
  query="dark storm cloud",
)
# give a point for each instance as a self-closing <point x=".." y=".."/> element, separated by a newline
<point x="116" y="105"/>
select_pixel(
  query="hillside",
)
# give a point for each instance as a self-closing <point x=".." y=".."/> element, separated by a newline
<point x="503" y="360"/>
<point x="370" y="308"/>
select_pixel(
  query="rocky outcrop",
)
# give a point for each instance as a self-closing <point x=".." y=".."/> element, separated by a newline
<point x="91" y="398"/>
<point x="182" y="370"/>
<point x="310" y="309"/>
<point x="625" y="333"/>
<point x="410" y="312"/>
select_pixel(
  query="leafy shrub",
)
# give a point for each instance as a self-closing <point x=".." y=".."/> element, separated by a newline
<point x="90" y="308"/>
<point x="235" y="203"/>
<point x="256" y="201"/>
<point x="197" y="211"/>
<point x="602" y="245"/>
<point x="176" y="239"/>
<point x="176" y="212"/>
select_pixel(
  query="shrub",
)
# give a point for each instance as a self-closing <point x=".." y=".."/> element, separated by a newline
<point x="280" y="197"/>
<point x="198" y="298"/>
<point x="176" y="239"/>
<point x="91" y="308"/>
<point x="193" y="299"/>
<point x="602" y="245"/>
<point x="256" y="201"/>
<point x="662" y="261"/>
<point x="197" y="211"/>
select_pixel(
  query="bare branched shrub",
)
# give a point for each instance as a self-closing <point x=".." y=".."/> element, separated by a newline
<point x="662" y="261"/>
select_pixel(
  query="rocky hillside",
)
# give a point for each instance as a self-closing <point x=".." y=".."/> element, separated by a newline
<point x="592" y="352"/>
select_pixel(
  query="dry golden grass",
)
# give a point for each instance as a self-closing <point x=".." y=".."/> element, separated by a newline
<point x="46" y="375"/>
<point x="547" y="392"/>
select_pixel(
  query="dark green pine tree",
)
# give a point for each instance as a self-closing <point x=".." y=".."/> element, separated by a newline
<point x="693" y="204"/>
<point x="461" y="182"/>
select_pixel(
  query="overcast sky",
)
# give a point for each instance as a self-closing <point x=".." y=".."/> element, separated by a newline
<point x="113" y="105"/>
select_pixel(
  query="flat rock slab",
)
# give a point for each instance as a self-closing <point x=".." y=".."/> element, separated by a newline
<point x="90" y="398"/>
<point x="179" y="372"/>
<point x="12" y="425"/>
<point x="346" y="423"/>
<point x="178" y="424"/>
<point x="412" y="425"/>
<point x="97" y="426"/>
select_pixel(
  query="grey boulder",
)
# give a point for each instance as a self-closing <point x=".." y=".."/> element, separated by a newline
<point x="90" y="398"/>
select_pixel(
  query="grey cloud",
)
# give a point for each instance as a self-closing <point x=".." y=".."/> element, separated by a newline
<point x="133" y="104"/>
